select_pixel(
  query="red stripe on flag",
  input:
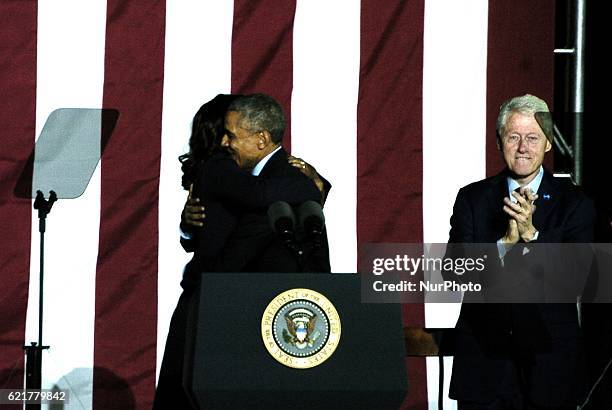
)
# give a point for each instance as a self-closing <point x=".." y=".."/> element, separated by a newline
<point x="126" y="277"/>
<point x="262" y="52"/>
<point x="520" y="60"/>
<point x="389" y="141"/>
<point x="17" y="121"/>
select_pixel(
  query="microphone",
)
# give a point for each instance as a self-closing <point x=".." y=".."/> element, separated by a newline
<point x="282" y="222"/>
<point x="310" y="216"/>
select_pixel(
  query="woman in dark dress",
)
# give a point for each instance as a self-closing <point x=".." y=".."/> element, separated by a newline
<point x="226" y="191"/>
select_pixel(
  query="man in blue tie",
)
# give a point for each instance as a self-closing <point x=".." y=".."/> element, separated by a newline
<point x="520" y="356"/>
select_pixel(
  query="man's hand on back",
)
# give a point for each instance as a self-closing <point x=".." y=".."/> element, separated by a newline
<point x="193" y="213"/>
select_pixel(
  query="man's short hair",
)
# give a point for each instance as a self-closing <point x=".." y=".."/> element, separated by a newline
<point x="529" y="105"/>
<point x="260" y="112"/>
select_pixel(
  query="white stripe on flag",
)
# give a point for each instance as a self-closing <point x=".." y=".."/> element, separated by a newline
<point x="454" y="118"/>
<point x="324" y="112"/>
<point x="70" y="73"/>
<point x="197" y="67"/>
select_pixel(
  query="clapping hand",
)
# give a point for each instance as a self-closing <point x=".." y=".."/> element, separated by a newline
<point x="520" y="224"/>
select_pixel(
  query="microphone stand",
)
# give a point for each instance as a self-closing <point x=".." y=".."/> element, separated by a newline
<point x="299" y="256"/>
<point x="292" y="245"/>
<point x="33" y="378"/>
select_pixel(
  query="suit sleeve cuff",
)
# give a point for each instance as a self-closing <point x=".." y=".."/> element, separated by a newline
<point x="185" y="235"/>
<point x="502" y="248"/>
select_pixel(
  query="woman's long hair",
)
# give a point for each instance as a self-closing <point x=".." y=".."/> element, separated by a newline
<point x="207" y="130"/>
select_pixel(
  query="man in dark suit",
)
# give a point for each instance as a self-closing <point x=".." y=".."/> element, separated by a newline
<point x="520" y="356"/>
<point x="255" y="126"/>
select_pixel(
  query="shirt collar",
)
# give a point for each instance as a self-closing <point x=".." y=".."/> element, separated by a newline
<point x="262" y="163"/>
<point x="534" y="185"/>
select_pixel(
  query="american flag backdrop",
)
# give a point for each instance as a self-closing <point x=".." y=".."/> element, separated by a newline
<point x="394" y="101"/>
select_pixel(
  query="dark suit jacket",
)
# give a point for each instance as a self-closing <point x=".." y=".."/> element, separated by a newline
<point x="253" y="246"/>
<point x="228" y="193"/>
<point x="543" y="339"/>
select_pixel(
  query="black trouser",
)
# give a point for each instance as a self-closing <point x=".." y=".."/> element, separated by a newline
<point x="515" y="396"/>
<point x="170" y="393"/>
<point x="507" y="405"/>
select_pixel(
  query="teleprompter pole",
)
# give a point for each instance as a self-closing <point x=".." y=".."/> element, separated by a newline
<point x="34" y="351"/>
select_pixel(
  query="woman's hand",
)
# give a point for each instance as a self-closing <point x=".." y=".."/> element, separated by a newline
<point x="308" y="170"/>
<point x="304" y="167"/>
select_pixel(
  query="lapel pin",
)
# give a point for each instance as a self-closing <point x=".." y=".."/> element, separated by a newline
<point x="546" y="196"/>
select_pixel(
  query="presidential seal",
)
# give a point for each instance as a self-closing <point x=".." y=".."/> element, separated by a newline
<point x="300" y="328"/>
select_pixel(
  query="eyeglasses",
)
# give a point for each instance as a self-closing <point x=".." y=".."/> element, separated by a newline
<point x="531" y="139"/>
